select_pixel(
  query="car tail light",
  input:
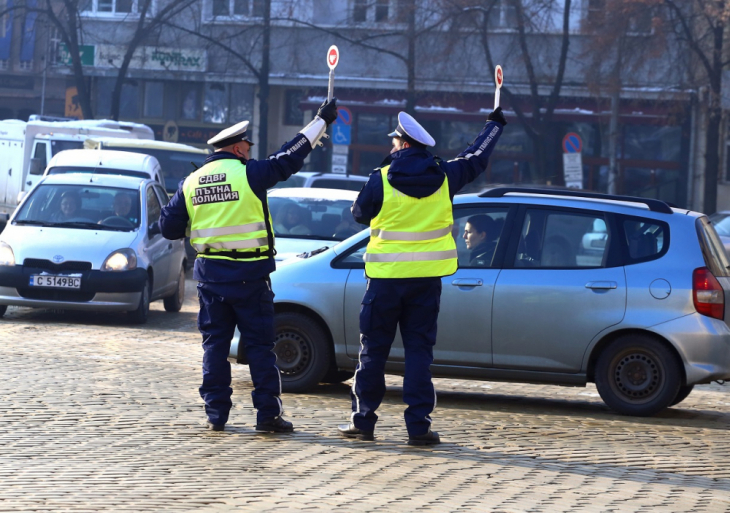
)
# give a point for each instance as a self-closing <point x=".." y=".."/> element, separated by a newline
<point x="707" y="293"/>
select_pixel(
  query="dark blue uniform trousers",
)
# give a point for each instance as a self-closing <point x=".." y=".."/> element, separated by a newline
<point x="250" y="305"/>
<point x="414" y="304"/>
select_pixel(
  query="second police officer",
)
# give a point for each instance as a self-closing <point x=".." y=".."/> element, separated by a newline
<point x="407" y="203"/>
<point x="224" y="208"/>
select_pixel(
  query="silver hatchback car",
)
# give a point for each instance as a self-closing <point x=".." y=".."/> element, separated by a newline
<point x="91" y="242"/>
<point x="570" y="288"/>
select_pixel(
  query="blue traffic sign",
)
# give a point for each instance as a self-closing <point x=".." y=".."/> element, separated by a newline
<point x="341" y="134"/>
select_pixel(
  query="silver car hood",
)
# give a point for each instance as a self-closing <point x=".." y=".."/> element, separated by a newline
<point x="68" y="243"/>
<point x="287" y="248"/>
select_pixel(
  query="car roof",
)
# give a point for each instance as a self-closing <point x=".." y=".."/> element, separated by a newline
<point x="313" y="193"/>
<point x="334" y="176"/>
<point x="107" y="158"/>
<point x="147" y="143"/>
<point x="121" y="181"/>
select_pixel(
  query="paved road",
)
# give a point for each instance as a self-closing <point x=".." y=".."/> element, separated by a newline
<point x="101" y="415"/>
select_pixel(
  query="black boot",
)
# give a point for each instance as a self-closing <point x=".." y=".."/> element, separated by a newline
<point x="277" y="425"/>
<point x="350" y="431"/>
<point x="430" y="438"/>
<point x="215" y="427"/>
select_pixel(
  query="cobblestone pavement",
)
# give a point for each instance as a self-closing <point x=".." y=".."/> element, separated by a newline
<point x="99" y="415"/>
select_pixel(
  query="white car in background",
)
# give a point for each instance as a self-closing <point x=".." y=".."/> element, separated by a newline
<point x="307" y="219"/>
<point x="320" y="180"/>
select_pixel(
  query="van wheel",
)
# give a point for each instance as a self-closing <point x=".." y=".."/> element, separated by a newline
<point x="3" y="309"/>
<point x="174" y="303"/>
<point x="139" y="316"/>
<point x="302" y="351"/>
<point x="637" y="375"/>
<point x="683" y="393"/>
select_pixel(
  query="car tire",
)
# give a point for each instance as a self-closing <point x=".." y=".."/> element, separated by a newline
<point x="337" y="376"/>
<point x="302" y="351"/>
<point x="683" y="393"/>
<point x="174" y="303"/>
<point x="3" y="309"/>
<point x="638" y="375"/>
<point x="139" y="316"/>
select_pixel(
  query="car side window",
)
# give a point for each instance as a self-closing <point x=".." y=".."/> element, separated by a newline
<point x="153" y="207"/>
<point x="477" y="232"/>
<point x="161" y="195"/>
<point x="556" y="239"/>
<point x="646" y="239"/>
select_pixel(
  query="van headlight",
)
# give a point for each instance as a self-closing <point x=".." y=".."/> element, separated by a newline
<point x="120" y="260"/>
<point x="7" y="257"/>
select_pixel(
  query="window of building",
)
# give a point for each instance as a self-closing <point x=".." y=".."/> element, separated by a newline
<point x="235" y="8"/>
<point x="503" y="15"/>
<point x="652" y="142"/>
<point x="4" y="19"/>
<point x="292" y="113"/>
<point x="596" y="12"/>
<point x="190" y="102"/>
<point x="153" y="99"/>
<point x="376" y="10"/>
<point x="108" y="7"/>
<point x="381" y="10"/>
<point x="215" y="102"/>
<point x="360" y="11"/>
<point x="241" y="106"/>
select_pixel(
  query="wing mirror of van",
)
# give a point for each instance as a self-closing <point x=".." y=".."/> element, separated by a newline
<point x="153" y="229"/>
<point x="21" y="195"/>
<point x="36" y="167"/>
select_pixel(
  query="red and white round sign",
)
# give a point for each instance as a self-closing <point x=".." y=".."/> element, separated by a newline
<point x="498" y="76"/>
<point x="333" y="57"/>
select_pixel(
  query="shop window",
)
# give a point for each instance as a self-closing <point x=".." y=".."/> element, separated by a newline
<point x="190" y="102"/>
<point x="374" y="128"/>
<point x="292" y="113"/>
<point x="241" y="106"/>
<point x="457" y="135"/>
<point x="515" y="140"/>
<point x="170" y="100"/>
<point x="153" y="99"/>
<point x="129" y="100"/>
<point x="370" y="160"/>
<point x="651" y="142"/>
<point x="215" y="103"/>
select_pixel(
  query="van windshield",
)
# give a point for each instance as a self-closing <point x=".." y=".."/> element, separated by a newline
<point x="85" y="206"/>
<point x="59" y="170"/>
<point x="175" y="164"/>
<point x="57" y="146"/>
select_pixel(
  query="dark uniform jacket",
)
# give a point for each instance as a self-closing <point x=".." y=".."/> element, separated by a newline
<point x="262" y="175"/>
<point x="415" y="172"/>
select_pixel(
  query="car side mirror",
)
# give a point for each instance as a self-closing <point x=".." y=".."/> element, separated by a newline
<point x="153" y="229"/>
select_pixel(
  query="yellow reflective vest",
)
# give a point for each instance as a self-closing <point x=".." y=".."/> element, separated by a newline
<point x="411" y="237"/>
<point x="227" y="220"/>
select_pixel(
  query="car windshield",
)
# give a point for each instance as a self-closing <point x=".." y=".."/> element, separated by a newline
<point x="59" y="170"/>
<point x="175" y="164"/>
<point x="721" y="222"/>
<point x="313" y="218"/>
<point x="81" y="206"/>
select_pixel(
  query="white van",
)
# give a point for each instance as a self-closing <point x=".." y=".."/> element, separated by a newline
<point x="106" y="162"/>
<point x="27" y="147"/>
<point x="177" y="160"/>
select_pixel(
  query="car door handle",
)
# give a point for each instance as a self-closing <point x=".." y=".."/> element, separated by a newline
<point x="467" y="282"/>
<point x="169" y="246"/>
<point x="29" y="183"/>
<point x="601" y="285"/>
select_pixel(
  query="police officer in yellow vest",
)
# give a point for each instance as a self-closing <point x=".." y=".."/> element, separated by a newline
<point x="407" y="203"/>
<point x="224" y="209"/>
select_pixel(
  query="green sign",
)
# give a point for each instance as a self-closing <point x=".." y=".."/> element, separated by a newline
<point x="86" y="51"/>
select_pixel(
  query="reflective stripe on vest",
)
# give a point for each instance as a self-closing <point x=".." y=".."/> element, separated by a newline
<point x="424" y="256"/>
<point x="225" y="214"/>
<point x="411" y="237"/>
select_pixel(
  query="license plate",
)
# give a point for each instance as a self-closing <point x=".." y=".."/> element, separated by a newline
<point x="61" y="282"/>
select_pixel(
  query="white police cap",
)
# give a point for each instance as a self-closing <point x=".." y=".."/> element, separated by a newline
<point x="231" y="135"/>
<point x="409" y="130"/>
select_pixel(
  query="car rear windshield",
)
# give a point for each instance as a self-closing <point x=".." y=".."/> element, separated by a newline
<point x="313" y="218"/>
<point x="176" y="165"/>
<point x="329" y="183"/>
<point x="81" y="206"/>
<point x="59" y="170"/>
<point x="712" y="249"/>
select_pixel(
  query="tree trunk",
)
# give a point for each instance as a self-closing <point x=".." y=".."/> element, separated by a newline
<point x="712" y="159"/>
<point x="264" y="84"/>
